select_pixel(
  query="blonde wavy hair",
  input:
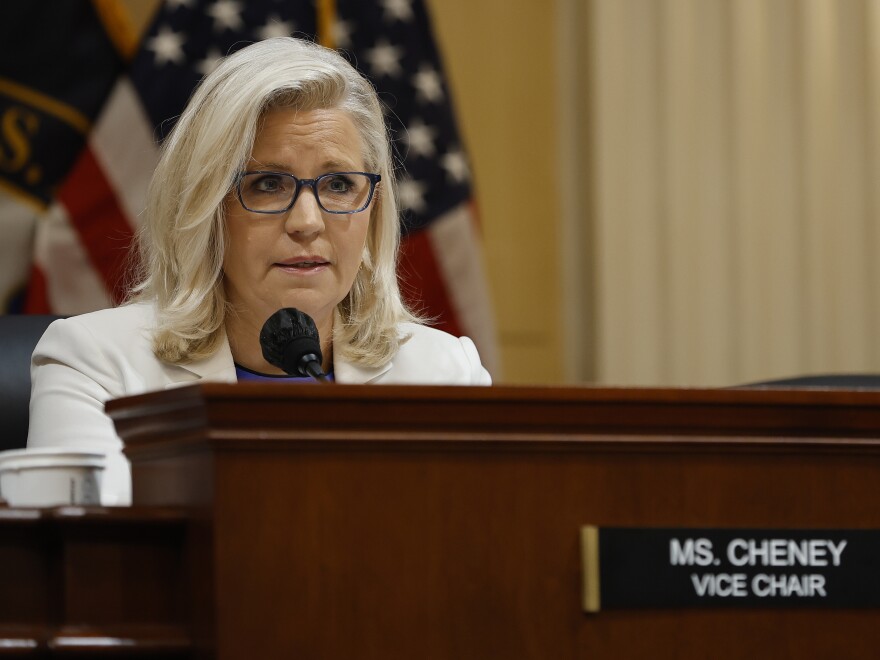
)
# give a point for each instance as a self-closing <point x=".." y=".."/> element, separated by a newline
<point x="182" y="239"/>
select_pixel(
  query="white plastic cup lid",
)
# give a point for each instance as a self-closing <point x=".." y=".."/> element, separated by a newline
<point x="43" y="457"/>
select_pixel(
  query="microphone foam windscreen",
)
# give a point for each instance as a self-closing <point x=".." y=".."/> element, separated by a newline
<point x="286" y="336"/>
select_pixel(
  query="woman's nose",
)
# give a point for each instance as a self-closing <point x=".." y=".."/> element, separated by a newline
<point x="305" y="217"/>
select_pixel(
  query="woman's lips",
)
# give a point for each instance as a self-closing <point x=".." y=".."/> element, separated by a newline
<point x="303" y="265"/>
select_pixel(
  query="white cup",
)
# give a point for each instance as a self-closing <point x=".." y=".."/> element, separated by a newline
<point x="51" y="476"/>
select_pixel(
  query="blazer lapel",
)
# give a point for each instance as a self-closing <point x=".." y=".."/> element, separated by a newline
<point x="218" y="367"/>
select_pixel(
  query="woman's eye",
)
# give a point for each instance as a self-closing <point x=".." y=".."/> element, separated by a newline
<point x="338" y="184"/>
<point x="268" y="184"/>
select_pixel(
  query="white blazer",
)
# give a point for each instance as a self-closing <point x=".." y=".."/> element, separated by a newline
<point x="82" y="362"/>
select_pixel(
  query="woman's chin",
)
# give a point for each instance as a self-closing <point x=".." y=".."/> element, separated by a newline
<point x="319" y="310"/>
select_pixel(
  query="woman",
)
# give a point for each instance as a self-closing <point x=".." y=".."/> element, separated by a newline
<point x="275" y="189"/>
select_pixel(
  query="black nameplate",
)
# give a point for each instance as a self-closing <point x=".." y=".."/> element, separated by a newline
<point x="739" y="568"/>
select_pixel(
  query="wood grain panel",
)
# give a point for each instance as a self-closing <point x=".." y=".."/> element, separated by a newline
<point x="400" y="522"/>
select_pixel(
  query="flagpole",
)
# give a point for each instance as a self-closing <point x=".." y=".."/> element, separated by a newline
<point x="326" y="20"/>
<point x="117" y="22"/>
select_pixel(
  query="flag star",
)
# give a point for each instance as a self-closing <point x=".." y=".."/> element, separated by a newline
<point x="429" y="86"/>
<point x="400" y="10"/>
<point x="275" y="27"/>
<point x="342" y="33"/>
<point x="456" y="165"/>
<point x="384" y="59"/>
<point x="168" y="46"/>
<point x="207" y="65"/>
<point x="420" y="139"/>
<point x="412" y="195"/>
<point x="226" y="15"/>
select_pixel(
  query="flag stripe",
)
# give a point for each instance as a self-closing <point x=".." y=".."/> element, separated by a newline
<point x="100" y="221"/>
<point x="71" y="284"/>
<point x="37" y="299"/>
<point x="124" y="146"/>
<point x="456" y="245"/>
<point x="422" y="284"/>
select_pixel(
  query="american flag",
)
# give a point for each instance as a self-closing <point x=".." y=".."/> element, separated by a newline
<point x="83" y="103"/>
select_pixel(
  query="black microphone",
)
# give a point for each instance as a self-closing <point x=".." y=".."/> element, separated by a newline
<point x="290" y="341"/>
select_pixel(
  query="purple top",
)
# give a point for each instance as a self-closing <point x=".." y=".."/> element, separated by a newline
<point x="244" y="374"/>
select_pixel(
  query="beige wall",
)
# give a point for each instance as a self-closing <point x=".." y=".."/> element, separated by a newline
<point x="736" y="206"/>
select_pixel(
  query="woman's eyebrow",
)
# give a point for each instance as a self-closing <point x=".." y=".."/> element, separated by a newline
<point x="337" y="165"/>
<point x="326" y="166"/>
<point x="279" y="167"/>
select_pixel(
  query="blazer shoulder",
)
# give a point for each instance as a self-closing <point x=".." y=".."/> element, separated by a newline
<point x="431" y="356"/>
<point x="130" y="317"/>
<point x="108" y="342"/>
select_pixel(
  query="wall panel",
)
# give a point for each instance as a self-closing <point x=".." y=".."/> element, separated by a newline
<point x="757" y="203"/>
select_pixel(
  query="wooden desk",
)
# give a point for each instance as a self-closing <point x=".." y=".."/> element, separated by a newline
<point x="89" y="582"/>
<point x="416" y="522"/>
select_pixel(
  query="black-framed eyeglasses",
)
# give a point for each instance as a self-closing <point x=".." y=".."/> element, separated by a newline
<point x="263" y="191"/>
